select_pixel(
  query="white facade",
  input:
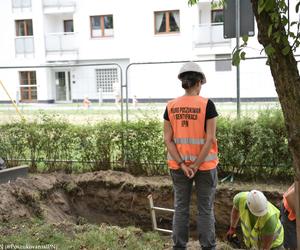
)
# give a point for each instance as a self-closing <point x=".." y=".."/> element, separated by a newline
<point x="56" y="53"/>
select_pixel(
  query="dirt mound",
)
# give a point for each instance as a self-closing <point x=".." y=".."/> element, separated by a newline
<point x="111" y="197"/>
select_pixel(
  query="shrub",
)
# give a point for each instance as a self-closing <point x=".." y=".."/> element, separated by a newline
<point x="253" y="148"/>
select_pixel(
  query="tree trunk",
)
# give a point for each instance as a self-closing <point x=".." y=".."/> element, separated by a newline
<point x="287" y="82"/>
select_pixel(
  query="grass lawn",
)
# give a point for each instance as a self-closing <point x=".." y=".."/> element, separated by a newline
<point x="70" y="236"/>
<point x="75" y="113"/>
<point x="36" y="234"/>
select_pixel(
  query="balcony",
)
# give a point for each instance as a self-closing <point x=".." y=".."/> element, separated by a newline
<point x="61" y="46"/>
<point x="24" y="45"/>
<point x="209" y="35"/>
<point x="59" y="6"/>
<point x="21" y="5"/>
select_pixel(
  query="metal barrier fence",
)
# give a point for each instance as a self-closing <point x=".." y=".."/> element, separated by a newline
<point x="256" y="82"/>
<point x="61" y="87"/>
<point x="147" y="86"/>
<point x="35" y="87"/>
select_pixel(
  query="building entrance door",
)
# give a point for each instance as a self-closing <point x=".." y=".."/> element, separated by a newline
<point x="63" y="86"/>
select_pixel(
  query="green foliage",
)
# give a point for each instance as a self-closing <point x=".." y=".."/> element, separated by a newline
<point x="100" y="144"/>
<point x="237" y="56"/>
<point x="255" y="148"/>
<point x="69" y="236"/>
<point x="215" y="4"/>
<point x="144" y="147"/>
<point x="270" y="50"/>
<point x="192" y="2"/>
<point x="13" y="142"/>
<point x="278" y="31"/>
<point x="283" y="39"/>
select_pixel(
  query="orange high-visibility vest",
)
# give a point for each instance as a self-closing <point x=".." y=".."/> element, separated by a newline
<point x="289" y="195"/>
<point x="187" y="118"/>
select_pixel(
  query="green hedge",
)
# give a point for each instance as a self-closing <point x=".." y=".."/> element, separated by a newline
<point x="251" y="147"/>
<point x="255" y="147"/>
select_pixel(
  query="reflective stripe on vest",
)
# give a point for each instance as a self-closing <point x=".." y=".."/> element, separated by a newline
<point x="192" y="158"/>
<point x="252" y="236"/>
<point x="194" y="141"/>
<point x="246" y="227"/>
<point x="277" y="233"/>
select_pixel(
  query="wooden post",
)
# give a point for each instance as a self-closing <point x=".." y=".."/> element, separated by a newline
<point x="297" y="190"/>
<point x="12" y="101"/>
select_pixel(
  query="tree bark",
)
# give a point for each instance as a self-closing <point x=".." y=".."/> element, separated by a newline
<point x="287" y="82"/>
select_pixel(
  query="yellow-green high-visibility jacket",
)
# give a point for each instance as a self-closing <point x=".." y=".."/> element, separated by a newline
<point x="252" y="236"/>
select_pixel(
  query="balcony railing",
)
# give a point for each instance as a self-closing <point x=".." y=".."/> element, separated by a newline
<point x="209" y="35"/>
<point x="24" y="45"/>
<point x="61" y="42"/>
<point x="52" y="5"/>
<point x="21" y="4"/>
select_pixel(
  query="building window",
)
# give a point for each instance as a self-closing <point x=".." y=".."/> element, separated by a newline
<point x="68" y="26"/>
<point x="225" y="64"/>
<point x="106" y="79"/>
<point x="102" y="26"/>
<point x="24" y="28"/>
<point x="167" y="21"/>
<point x="217" y="16"/>
<point x="28" y="87"/>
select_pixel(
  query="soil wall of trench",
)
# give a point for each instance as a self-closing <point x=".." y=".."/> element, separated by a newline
<point x="111" y="197"/>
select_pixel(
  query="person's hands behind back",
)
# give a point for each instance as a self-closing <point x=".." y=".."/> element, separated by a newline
<point x="188" y="172"/>
<point x="194" y="167"/>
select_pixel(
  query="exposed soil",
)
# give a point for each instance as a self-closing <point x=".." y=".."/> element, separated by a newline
<point x="111" y="197"/>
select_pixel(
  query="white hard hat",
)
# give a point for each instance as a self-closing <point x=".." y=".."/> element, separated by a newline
<point x="191" y="67"/>
<point x="257" y="203"/>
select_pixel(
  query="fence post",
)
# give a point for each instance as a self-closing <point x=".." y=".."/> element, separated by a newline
<point x="100" y="96"/>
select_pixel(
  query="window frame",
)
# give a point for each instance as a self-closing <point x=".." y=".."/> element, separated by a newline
<point x="223" y="66"/>
<point x="212" y="13"/>
<point x="112" y="76"/>
<point x="102" y="28"/>
<point x="167" y="13"/>
<point x="26" y="27"/>
<point x="66" y="21"/>
<point x="28" y="86"/>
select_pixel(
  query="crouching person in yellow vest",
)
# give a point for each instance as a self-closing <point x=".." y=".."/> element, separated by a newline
<point x="260" y="221"/>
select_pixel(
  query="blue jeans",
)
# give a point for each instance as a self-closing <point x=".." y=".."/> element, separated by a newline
<point x="205" y="184"/>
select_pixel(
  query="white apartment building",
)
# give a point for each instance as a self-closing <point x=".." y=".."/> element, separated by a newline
<point x="45" y="43"/>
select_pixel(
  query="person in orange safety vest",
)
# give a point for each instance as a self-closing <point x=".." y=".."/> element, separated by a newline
<point x="288" y="218"/>
<point x="190" y="138"/>
<point x="86" y="102"/>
